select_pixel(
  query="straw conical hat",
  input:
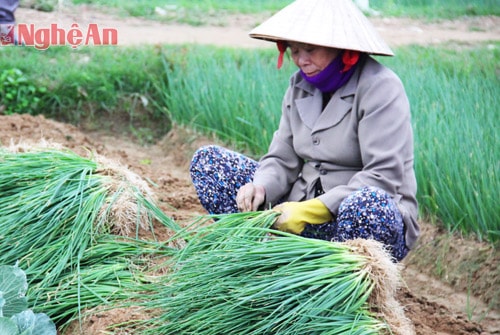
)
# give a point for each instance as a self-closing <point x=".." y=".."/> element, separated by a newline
<point x="331" y="23"/>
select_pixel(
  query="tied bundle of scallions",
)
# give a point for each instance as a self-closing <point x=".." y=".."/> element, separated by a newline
<point x="63" y="219"/>
<point x="238" y="276"/>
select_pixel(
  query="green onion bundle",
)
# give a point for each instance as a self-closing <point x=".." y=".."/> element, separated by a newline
<point x="109" y="274"/>
<point x="238" y="276"/>
<point x="57" y="207"/>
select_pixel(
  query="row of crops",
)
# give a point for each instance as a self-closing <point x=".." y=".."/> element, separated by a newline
<point x="454" y="95"/>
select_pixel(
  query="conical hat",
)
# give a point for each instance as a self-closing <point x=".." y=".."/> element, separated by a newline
<point x="330" y="23"/>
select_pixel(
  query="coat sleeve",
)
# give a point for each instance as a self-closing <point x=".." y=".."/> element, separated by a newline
<point x="280" y="166"/>
<point x="384" y="135"/>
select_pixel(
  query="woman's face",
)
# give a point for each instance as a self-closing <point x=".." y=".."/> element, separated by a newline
<point x="311" y="59"/>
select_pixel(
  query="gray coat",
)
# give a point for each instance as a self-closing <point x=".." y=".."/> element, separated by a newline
<point x="363" y="137"/>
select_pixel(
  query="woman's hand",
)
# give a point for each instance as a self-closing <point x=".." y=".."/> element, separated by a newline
<point x="295" y="215"/>
<point x="250" y="197"/>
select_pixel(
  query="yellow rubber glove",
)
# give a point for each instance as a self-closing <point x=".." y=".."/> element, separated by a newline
<point x="295" y="215"/>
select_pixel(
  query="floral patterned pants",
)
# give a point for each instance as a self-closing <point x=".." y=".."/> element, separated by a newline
<point x="370" y="213"/>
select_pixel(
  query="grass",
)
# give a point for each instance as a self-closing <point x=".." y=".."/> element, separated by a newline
<point x="200" y="12"/>
<point x="436" y="9"/>
<point x="184" y="11"/>
<point x="142" y="8"/>
<point x="110" y="84"/>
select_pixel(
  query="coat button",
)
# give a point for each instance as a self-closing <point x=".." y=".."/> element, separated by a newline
<point x="322" y="172"/>
<point x="315" y="140"/>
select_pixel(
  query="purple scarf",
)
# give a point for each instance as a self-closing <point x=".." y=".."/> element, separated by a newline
<point x="336" y="74"/>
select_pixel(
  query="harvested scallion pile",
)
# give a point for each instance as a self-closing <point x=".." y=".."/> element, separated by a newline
<point x="238" y="276"/>
<point x="63" y="218"/>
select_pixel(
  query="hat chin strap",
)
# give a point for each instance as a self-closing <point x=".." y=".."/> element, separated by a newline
<point x="349" y="58"/>
<point x="282" y="45"/>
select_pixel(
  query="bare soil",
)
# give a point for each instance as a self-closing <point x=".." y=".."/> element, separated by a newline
<point x="465" y="300"/>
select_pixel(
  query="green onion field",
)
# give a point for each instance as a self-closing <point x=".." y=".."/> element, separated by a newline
<point x="149" y="106"/>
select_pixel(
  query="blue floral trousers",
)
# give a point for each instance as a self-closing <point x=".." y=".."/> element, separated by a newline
<point x="370" y="212"/>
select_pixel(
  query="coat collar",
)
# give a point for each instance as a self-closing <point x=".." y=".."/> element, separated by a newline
<point x="310" y="108"/>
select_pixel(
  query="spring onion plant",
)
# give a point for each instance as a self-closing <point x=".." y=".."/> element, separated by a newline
<point x="454" y="96"/>
<point x="238" y="276"/>
<point x="242" y="103"/>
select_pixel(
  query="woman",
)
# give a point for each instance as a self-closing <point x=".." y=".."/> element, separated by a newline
<point x="340" y="165"/>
